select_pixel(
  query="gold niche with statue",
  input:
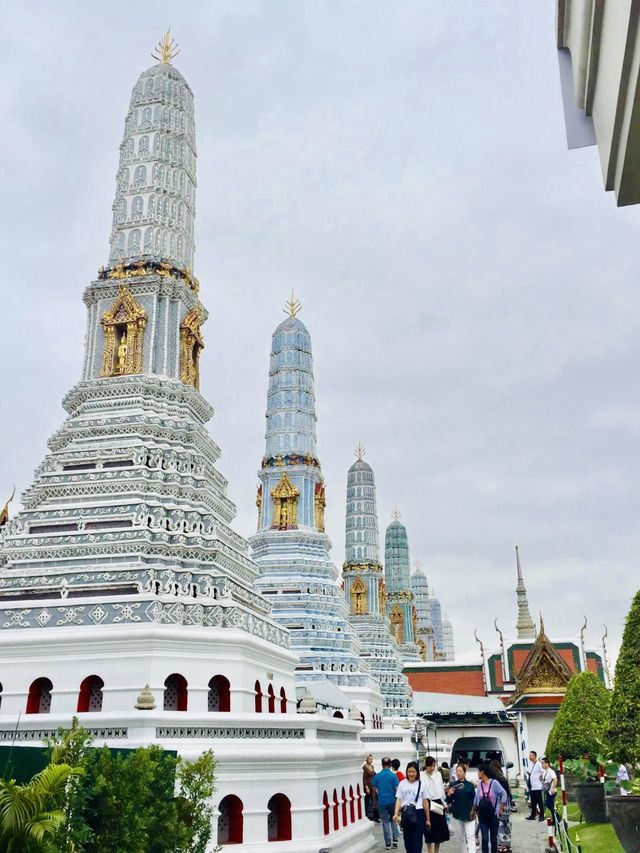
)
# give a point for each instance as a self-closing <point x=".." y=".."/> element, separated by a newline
<point x="123" y="324"/>
<point x="191" y="345"/>
<point x="397" y="624"/>
<point x="359" y="604"/>
<point x="319" y="505"/>
<point x="285" y="505"/>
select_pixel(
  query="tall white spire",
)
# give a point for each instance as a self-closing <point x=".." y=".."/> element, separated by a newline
<point x="525" y="625"/>
<point x="154" y="206"/>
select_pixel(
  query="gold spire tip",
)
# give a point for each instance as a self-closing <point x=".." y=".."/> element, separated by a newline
<point x="359" y="452"/>
<point x="293" y="306"/>
<point x="395" y="515"/>
<point x="166" y="49"/>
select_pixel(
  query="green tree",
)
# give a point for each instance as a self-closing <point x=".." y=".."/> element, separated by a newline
<point x="130" y="802"/>
<point x="581" y="722"/>
<point x="624" y="724"/>
<point x="72" y="746"/>
<point x="31" y="814"/>
<point x="196" y="784"/>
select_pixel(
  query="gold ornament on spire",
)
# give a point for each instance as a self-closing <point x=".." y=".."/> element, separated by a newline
<point x="395" y="515"/>
<point x="293" y="306"/>
<point x="359" y="452"/>
<point x="4" y="514"/>
<point x="166" y="50"/>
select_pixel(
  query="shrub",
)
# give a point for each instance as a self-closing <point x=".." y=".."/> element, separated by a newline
<point x="581" y="722"/>
<point x="624" y="725"/>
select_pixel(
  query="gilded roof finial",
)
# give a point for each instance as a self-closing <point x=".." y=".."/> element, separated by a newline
<point x="4" y="513"/>
<point x="541" y="623"/>
<point x="395" y="515"/>
<point x="359" y="452"/>
<point x="166" y="50"/>
<point x="292" y="306"/>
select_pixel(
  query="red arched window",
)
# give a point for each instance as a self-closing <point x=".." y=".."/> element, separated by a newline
<point x="272" y="699"/>
<point x="90" y="696"/>
<point x="336" y="811"/>
<point x="325" y="813"/>
<point x="230" y="827"/>
<point x="279" y="818"/>
<point x="339" y="715"/>
<point x="359" y="801"/>
<point x="39" y="698"/>
<point x="259" y="694"/>
<point x="352" y="805"/>
<point x="219" y="698"/>
<point x="175" y="693"/>
<point x="283" y="701"/>
<point x="344" y="808"/>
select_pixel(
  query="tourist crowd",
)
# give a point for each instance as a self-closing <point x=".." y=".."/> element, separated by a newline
<point x="439" y="803"/>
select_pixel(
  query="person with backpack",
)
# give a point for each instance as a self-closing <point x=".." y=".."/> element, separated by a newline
<point x="489" y="803"/>
<point x="549" y="787"/>
<point x="412" y="809"/>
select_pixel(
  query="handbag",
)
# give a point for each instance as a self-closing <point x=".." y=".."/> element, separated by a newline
<point x="436" y="808"/>
<point x="409" y="813"/>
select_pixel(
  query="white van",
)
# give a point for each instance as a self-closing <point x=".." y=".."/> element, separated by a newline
<point x="475" y="751"/>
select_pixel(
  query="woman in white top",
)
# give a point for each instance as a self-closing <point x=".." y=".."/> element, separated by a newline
<point x="410" y="795"/>
<point x="434" y="786"/>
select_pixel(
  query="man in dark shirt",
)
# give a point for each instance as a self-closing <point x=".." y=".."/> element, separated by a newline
<point x="461" y="794"/>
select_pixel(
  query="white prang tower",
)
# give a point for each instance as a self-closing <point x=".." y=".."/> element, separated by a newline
<point x="365" y="591"/>
<point x="125" y="595"/>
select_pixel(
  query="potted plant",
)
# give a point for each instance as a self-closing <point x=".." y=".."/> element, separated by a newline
<point x="589" y="789"/>
<point x="624" y="814"/>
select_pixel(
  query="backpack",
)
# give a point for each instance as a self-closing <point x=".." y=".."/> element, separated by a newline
<point x="486" y="811"/>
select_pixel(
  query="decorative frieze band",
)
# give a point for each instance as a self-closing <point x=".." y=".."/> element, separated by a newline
<point x="220" y="732"/>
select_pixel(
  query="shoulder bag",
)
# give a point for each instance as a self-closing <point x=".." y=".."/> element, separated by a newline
<point x="409" y="813"/>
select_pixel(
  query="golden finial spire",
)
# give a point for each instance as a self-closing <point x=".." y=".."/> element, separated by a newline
<point x="359" y="452"/>
<point x="166" y="50"/>
<point x="292" y="306"/>
<point x="541" y="623"/>
<point x="4" y="514"/>
<point x="395" y="515"/>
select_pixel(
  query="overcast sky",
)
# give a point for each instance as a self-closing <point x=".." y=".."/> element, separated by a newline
<point x="471" y="290"/>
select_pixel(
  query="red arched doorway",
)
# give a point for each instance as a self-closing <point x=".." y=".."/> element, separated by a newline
<point x="336" y="811"/>
<point x="90" y="696"/>
<point x="219" y="697"/>
<point x="230" y="821"/>
<point x="39" y="697"/>
<point x="325" y="813"/>
<point x="279" y="818"/>
<point x="175" y="693"/>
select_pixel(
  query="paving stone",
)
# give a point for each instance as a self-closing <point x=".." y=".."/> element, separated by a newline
<point x="528" y="836"/>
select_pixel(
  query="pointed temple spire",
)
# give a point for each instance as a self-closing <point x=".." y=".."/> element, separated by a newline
<point x="154" y="206"/>
<point x="136" y="485"/>
<point x="365" y="590"/>
<point x="290" y="546"/>
<point x="525" y="625"/>
<point x="400" y="598"/>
